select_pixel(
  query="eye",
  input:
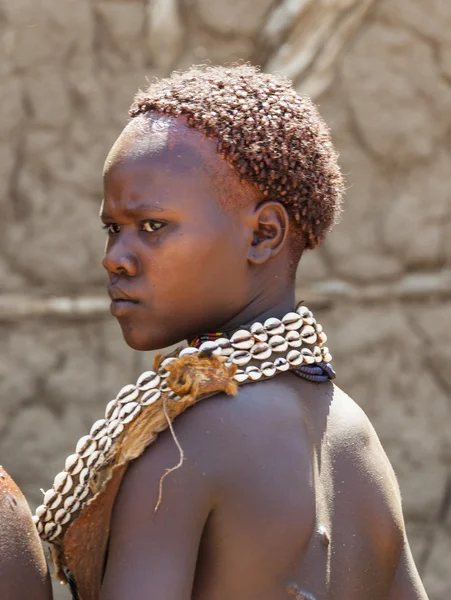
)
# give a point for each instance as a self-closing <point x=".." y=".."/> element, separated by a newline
<point x="111" y="228"/>
<point x="151" y="226"/>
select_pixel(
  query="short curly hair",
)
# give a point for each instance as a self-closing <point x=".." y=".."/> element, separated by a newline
<point x="273" y="137"/>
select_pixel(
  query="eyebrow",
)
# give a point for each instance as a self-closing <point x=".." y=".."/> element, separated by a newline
<point x="137" y="210"/>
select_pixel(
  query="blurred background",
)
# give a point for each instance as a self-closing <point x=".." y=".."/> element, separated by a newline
<point x="380" y="71"/>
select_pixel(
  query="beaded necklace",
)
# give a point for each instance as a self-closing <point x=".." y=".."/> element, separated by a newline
<point x="295" y="342"/>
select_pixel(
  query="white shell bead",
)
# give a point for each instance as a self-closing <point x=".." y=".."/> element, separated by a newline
<point x="292" y="321"/>
<point x="73" y="464"/>
<point x="43" y="513"/>
<point x="240" y="357"/>
<point x="63" y="483"/>
<point x="188" y="350"/>
<point x="259" y="332"/>
<point x="295" y="358"/>
<point x="112" y="409"/>
<point x="129" y="418"/>
<point x="84" y="476"/>
<point x="303" y="312"/>
<point x="71" y="504"/>
<point x="254" y="373"/>
<point x="105" y="444"/>
<point x="294" y="339"/>
<point x="127" y="394"/>
<point x="261" y="351"/>
<point x="322" y="337"/>
<point x="225" y="346"/>
<point x="98" y="429"/>
<point x="52" y="499"/>
<point x="60" y="514"/>
<point x="52" y="530"/>
<point x="148" y="380"/>
<point x="150" y="397"/>
<point x="242" y="340"/>
<point x="241" y="376"/>
<point x="278" y="343"/>
<point x="94" y="459"/>
<point x="210" y="347"/>
<point x="281" y="364"/>
<point x="309" y="359"/>
<point x="308" y="334"/>
<point x="127" y="409"/>
<point x="81" y="492"/>
<point x="85" y="446"/>
<point x="268" y="369"/>
<point x="274" y="326"/>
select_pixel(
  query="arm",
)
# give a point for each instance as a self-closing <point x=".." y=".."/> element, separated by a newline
<point x="407" y="583"/>
<point x="23" y="570"/>
<point x="153" y="554"/>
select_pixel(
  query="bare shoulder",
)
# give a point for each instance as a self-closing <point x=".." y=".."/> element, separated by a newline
<point x="23" y="570"/>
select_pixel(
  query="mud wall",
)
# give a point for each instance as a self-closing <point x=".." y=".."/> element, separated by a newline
<point x="381" y="73"/>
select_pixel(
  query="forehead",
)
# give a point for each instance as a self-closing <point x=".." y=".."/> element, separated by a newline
<point x="164" y="150"/>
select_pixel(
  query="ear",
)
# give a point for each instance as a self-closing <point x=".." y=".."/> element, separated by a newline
<point x="270" y="230"/>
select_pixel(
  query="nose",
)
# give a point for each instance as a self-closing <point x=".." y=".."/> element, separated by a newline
<point x="118" y="260"/>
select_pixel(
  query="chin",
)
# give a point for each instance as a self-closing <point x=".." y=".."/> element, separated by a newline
<point x="146" y="341"/>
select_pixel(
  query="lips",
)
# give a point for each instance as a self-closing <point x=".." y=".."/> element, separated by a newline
<point x="118" y="295"/>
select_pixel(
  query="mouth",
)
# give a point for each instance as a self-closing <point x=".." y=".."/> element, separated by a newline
<point x="121" y="302"/>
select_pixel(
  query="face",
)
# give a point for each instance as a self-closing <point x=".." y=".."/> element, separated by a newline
<point x="176" y="255"/>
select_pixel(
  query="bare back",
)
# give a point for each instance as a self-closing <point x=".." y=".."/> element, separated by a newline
<point x="301" y="501"/>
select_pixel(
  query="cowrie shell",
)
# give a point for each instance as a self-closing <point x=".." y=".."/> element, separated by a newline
<point x="261" y="351"/>
<point x="172" y="396"/>
<point x="164" y="387"/>
<point x="95" y="459"/>
<point x="112" y="409"/>
<point x="40" y="527"/>
<point x="210" y="347"/>
<point x="274" y="326"/>
<point x="127" y="394"/>
<point x="225" y="346"/>
<point x="127" y="409"/>
<point x="303" y="312"/>
<point x="63" y="483"/>
<point x="295" y="358"/>
<point x="73" y="464"/>
<point x="52" y="530"/>
<point x="242" y="340"/>
<point x="132" y="415"/>
<point x="308" y="334"/>
<point x="278" y="343"/>
<point x="84" y="476"/>
<point x="61" y="515"/>
<point x="268" y="369"/>
<point x="294" y="339"/>
<point x="115" y="428"/>
<point x="259" y="332"/>
<point x="105" y="444"/>
<point x="85" y="446"/>
<point x="52" y="499"/>
<point x="150" y="397"/>
<point x="254" y="373"/>
<point x="188" y="350"/>
<point x="281" y="364"/>
<point x="148" y="380"/>
<point x="69" y="503"/>
<point x="241" y="376"/>
<point x="327" y="356"/>
<point x="322" y="337"/>
<point x="307" y="354"/>
<point x="81" y="492"/>
<point x="317" y="354"/>
<point x="98" y="429"/>
<point x="240" y="357"/>
<point x="292" y="321"/>
<point x="43" y="513"/>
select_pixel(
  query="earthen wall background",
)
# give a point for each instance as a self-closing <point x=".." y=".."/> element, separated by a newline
<point x="380" y="71"/>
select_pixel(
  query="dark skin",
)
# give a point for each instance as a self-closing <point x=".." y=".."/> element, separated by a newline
<point x="285" y="491"/>
<point x="23" y="570"/>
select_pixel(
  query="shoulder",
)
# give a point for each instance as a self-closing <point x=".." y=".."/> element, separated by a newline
<point x="23" y="570"/>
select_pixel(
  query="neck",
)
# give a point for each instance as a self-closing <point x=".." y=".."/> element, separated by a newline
<point x="259" y="310"/>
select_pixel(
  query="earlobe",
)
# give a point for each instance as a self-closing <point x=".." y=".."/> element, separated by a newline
<point x="270" y="221"/>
